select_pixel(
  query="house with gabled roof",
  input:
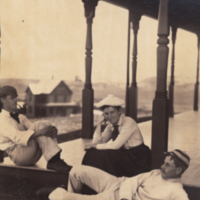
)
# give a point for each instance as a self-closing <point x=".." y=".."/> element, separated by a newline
<point x="49" y="98"/>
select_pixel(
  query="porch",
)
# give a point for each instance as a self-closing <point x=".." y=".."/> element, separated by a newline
<point x="184" y="131"/>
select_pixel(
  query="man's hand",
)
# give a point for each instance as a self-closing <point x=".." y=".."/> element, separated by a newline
<point x="50" y="131"/>
<point x="89" y="146"/>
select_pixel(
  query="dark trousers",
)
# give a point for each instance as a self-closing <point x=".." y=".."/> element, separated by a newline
<point x="120" y="162"/>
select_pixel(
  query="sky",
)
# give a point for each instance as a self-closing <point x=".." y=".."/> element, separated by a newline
<point x="43" y="39"/>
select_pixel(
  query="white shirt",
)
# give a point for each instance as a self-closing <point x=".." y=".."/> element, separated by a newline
<point x="129" y="135"/>
<point x="151" y="186"/>
<point x="13" y="134"/>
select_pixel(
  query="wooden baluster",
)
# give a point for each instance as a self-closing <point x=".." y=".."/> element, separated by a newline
<point x="1" y="152"/>
<point x="133" y="91"/>
<point x="196" y="87"/>
<point x="0" y="45"/>
<point x="127" y="76"/>
<point x="88" y="94"/>
<point x="160" y="103"/>
<point x="171" y="86"/>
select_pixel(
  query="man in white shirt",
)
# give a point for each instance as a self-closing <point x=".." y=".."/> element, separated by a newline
<point x="163" y="184"/>
<point x="23" y="141"/>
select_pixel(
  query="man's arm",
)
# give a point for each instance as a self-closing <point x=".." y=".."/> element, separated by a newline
<point x="128" y="128"/>
<point x="48" y="131"/>
<point x="97" y="134"/>
<point x="106" y="135"/>
<point x="16" y="136"/>
<point x="22" y="137"/>
<point x="130" y="186"/>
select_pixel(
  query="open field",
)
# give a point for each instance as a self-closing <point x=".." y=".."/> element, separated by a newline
<point x="66" y="124"/>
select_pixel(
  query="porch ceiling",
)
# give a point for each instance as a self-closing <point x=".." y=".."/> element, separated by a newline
<point x="183" y="14"/>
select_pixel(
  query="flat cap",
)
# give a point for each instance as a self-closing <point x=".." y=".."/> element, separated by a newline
<point x="110" y="100"/>
<point x="8" y="90"/>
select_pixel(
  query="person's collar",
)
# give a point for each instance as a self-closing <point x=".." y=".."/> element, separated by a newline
<point x="5" y="113"/>
<point x="173" y="180"/>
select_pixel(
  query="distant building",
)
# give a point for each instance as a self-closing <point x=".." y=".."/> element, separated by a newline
<point x="49" y="98"/>
<point x="77" y="78"/>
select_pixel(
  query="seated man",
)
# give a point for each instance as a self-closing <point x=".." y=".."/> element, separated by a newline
<point x="163" y="184"/>
<point x="120" y="149"/>
<point x="23" y="141"/>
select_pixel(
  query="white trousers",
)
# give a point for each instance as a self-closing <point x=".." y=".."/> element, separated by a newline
<point x="106" y="185"/>
<point x="30" y="154"/>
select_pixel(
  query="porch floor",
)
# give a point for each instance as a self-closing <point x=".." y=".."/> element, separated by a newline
<point x="184" y="131"/>
<point x="184" y="134"/>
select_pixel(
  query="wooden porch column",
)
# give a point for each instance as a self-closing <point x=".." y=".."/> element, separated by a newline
<point x="88" y="94"/>
<point x="160" y="103"/>
<point x="127" y="75"/>
<point x="133" y="91"/>
<point x="0" y="44"/>
<point x="171" y="86"/>
<point x="1" y="152"/>
<point x="196" y="87"/>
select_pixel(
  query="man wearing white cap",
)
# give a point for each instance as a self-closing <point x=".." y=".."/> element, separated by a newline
<point x="163" y="184"/>
<point x="23" y="141"/>
<point x="120" y="149"/>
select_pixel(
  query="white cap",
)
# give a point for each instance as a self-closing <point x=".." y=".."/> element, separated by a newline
<point x="110" y="100"/>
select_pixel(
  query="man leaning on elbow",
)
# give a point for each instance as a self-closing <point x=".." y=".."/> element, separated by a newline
<point x="162" y="184"/>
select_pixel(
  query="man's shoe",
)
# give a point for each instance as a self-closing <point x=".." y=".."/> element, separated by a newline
<point x="43" y="193"/>
<point x="59" y="166"/>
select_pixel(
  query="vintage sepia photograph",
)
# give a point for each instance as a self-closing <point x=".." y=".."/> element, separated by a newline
<point x="99" y="100"/>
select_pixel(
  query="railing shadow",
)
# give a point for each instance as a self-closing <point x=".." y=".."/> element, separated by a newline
<point x="193" y="192"/>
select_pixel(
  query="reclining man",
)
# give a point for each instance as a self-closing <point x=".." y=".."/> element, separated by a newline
<point x="163" y="184"/>
<point x="23" y="141"/>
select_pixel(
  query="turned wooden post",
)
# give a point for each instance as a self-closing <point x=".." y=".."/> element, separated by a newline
<point x="160" y="103"/>
<point x="127" y="75"/>
<point x="133" y="91"/>
<point x="88" y="94"/>
<point x="0" y="45"/>
<point x="196" y="87"/>
<point x="1" y="152"/>
<point x="171" y="86"/>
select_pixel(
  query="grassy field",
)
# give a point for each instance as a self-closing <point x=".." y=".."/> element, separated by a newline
<point x="74" y="122"/>
<point x="66" y="124"/>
